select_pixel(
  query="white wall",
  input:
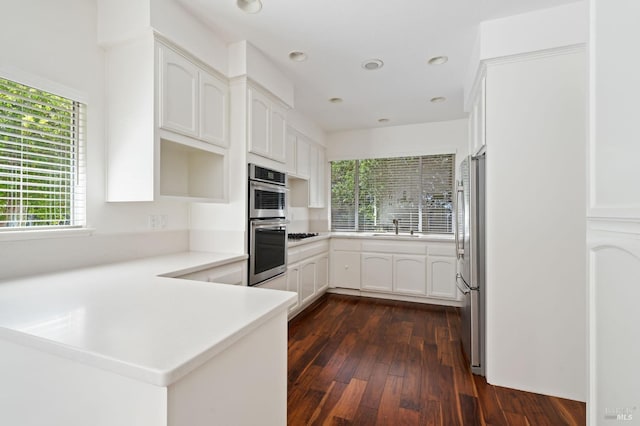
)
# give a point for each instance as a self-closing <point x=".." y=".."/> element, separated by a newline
<point x="565" y="25"/>
<point x="247" y="60"/>
<point x="58" y="45"/>
<point x="535" y="131"/>
<point x="613" y="214"/>
<point x="173" y="21"/>
<point x="397" y="141"/>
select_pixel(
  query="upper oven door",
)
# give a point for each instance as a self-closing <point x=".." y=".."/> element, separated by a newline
<point x="266" y="200"/>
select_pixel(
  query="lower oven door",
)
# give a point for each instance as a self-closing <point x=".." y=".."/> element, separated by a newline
<point x="267" y="249"/>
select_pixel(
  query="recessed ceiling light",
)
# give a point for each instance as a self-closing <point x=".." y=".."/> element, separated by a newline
<point x="438" y="60"/>
<point x="335" y="100"/>
<point x="438" y="99"/>
<point x="383" y="120"/>
<point x="249" y="6"/>
<point x="298" y="56"/>
<point x="372" y="64"/>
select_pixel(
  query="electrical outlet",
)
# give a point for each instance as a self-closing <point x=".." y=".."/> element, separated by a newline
<point x="153" y="221"/>
<point x="164" y="221"/>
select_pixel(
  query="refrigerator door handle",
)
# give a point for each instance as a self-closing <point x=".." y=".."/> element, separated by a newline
<point x="461" y="209"/>
<point x="464" y="289"/>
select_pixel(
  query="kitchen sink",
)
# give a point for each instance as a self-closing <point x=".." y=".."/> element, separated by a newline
<point x="393" y="234"/>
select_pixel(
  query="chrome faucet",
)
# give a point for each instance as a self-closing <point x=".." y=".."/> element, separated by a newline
<point x="395" y="223"/>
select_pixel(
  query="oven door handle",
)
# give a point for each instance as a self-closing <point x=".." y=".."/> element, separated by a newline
<point x="269" y="187"/>
<point x="269" y="222"/>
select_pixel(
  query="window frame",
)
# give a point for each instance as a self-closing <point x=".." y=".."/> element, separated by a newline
<point x="422" y="215"/>
<point x="77" y="192"/>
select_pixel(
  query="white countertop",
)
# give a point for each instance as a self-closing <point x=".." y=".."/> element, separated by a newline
<point x="128" y="319"/>
<point x="391" y="236"/>
<point x="388" y="236"/>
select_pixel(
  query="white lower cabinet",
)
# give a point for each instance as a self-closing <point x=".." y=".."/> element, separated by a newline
<point x="441" y="273"/>
<point x="277" y="283"/>
<point x="232" y="273"/>
<point x="409" y="274"/>
<point x="377" y="272"/>
<point x="293" y="284"/>
<point x="307" y="274"/>
<point x="307" y="281"/>
<point x="345" y="269"/>
<point x="322" y="273"/>
<point x="407" y="269"/>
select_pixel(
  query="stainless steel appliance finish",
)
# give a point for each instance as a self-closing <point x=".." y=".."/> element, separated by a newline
<point x="267" y="200"/>
<point x="267" y="249"/>
<point x="267" y="193"/>
<point x="470" y="247"/>
<point x="267" y="223"/>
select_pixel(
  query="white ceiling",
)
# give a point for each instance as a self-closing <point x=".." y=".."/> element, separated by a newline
<point x="338" y="35"/>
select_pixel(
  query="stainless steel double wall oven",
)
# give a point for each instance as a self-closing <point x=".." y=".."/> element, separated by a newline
<point x="267" y="223"/>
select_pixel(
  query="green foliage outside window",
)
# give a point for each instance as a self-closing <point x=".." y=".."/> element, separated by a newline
<point x="38" y="157"/>
<point x="367" y="195"/>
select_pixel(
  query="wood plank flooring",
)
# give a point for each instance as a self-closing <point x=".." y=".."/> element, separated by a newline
<point x="363" y="361"/>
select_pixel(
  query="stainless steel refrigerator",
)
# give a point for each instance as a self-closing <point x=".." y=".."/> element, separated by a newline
<point x="470" y="247"/>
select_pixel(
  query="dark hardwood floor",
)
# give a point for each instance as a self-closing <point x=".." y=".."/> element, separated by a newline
<point x="362" y="361"/>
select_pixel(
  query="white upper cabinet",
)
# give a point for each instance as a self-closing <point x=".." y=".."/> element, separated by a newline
<point x="167" y="124"/>
<point x="302" y="158"/>
<point x="290" y="152"/>
<point x="193" y="101"/>
<point x="259" y="118"/>
<point x="267" y="126"/>
<point x="316" y="176"/>
<point x="178" y="92"/>
<point x="214" y="110"/>
<point x="278" y="134"/>
<point x="297" y="154"/>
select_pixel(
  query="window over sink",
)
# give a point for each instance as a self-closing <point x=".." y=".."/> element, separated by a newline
<point x="368" y="195"/>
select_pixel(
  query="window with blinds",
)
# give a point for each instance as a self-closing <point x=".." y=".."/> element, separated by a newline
<point x="41" y="159"/>
<point x="367" y="195"/>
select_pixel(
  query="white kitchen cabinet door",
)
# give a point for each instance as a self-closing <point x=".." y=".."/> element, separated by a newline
<point x="278" y="135"/>
<point x="259" y="127"/>
<point x="302" y="158"/>
<point x="307" y="281"/>
<point x="316" y="176"/>
<point x="345" y="269"/>
<point x="291" y="147"/>
<point x="441" y="277"/>
<point x="377" y="272"/>
<point x="213" y="111"/>
<point x="293" y="284"/>
<point x="233" y="273"/>
<point x="409" y="275"/>
<point x="160" y="153"/>
<point x="322" y="273"/>
<point x="277" y="283"/>
<point x="178" y="93"/>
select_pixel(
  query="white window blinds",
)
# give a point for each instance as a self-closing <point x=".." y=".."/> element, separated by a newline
<point x="367" y="195"/>
<point x="41" y="159"/>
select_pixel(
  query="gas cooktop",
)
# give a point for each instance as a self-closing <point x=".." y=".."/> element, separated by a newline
<point x="302" y="235"/>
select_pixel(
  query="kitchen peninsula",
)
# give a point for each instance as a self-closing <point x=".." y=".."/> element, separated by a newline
<point x="128" y="344"/>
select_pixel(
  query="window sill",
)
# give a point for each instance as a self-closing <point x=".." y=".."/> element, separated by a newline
<point x="41" y="234"/>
